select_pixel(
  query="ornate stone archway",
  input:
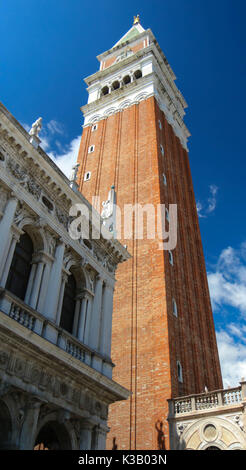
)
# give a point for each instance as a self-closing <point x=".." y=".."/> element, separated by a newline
<point x="53" y="436"/>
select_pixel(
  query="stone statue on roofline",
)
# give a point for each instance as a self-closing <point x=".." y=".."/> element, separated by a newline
<point x="36" y="127"/>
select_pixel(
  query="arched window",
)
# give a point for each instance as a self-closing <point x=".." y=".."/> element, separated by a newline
<point x="212" y="448"/>
<point x="175" y="308"/>
<point x="127" y="79"/>
<point x="20" y="267"/>
<point x="91" y="148"/>
<point x="167" y="214"/>
<point x="170" y="255"/>
<point x="138" y="74"/>
<point x="68" y="306"/>
<point x="115" y="85"/>
<point x="87" y="176"/>
<point x="180" y="373"/>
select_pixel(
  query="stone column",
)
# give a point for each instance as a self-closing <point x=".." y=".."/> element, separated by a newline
<point x="36" y="284"/>
<point x="82" y="318"/>
<point x="88" y="318"/>
<point x="44" y="283"/>
<point x="85" y="318"/>
<point x="29" y="427"/>
<point x="243" y="388"/>
<point x="5" y="225"/>
<point x="96" y="315"/>
<point x="100" y="437"/>
<point x="52" y="296"/>
<point x="106" y="324"/>
<point x="79" y="300"/>
<point x="30" y="283"/>
<point x="61" y="295"/>
<point x="86" y="429"/>
<point x="8" y="259"/>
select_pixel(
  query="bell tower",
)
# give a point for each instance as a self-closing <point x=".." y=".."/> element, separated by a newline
<point x="163" y="337"/>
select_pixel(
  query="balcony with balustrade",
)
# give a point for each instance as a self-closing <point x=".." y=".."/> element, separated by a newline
<point x="215" y="402"/>
<point x="40" y="326"/>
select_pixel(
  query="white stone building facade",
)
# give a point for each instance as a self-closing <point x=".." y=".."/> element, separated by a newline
<point x="209" y="421"/>
<point x="56" y="297"/>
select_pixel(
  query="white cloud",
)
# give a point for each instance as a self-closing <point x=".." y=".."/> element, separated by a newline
<point x="199" y="208"/>
<point x="65" y="160"/>
<point x="232" y="354"/>
<point x="227" y="284"/>
<point x="66" y="155"/>
<point x="209" y="207"/>
<point x="55" y="127"/>
<point x="212" y="198"/>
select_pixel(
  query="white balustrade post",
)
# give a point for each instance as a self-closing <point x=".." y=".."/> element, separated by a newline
<point x="52" y="296"/>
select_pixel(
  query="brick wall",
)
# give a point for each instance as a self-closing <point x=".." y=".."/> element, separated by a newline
<point x="147" y="339"/>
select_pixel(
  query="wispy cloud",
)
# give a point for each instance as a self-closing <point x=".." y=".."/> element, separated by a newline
<point x="204" y="209"/>
<point x="66" y="159"/>
<point x="232" y="352"/>
<point x="65" y="156"/>
<point x="212" y="198"/>
<point x="55" y="127"/>
<point x="227" y="284"/>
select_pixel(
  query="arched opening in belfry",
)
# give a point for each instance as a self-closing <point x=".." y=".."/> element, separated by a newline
<point x="20" y="267"/>
<point x="53" y="436"/>
<point x="105" y="90"/>
<point x="5" y="426"/>
<point x="138" y="74"/>
<point x="116" y="85"/>
<point x="127" y="79"/>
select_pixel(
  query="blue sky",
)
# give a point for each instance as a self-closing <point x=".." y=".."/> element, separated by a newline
<point x="49" y="46"/>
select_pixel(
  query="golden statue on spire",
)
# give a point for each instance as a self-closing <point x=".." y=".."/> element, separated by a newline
<point x="136" y="20"/>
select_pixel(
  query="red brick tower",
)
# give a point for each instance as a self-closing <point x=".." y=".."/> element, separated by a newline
<point x="163" y="338"/>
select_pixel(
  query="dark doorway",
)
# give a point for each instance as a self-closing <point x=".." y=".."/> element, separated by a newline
<point x="53" y="436"/>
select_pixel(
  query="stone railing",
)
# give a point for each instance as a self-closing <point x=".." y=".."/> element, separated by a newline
<point x="206" y="401"/>
<point x="42" y="326"/>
